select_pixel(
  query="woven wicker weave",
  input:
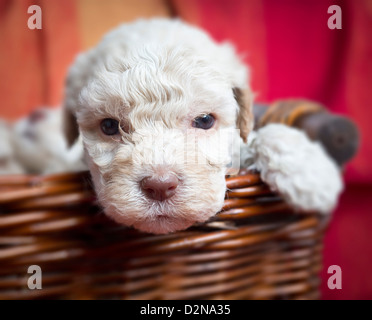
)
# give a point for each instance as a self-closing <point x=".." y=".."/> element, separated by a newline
<point x="256" y="248"/>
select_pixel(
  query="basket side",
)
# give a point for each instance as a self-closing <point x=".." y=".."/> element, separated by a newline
<point x="256" y="248"/>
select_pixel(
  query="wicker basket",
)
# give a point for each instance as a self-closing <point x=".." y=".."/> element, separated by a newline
<point x="256" y="248"/>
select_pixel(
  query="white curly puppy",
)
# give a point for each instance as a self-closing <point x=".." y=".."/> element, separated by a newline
<point x="142" y="99"/>
<point x="40" y="145"/>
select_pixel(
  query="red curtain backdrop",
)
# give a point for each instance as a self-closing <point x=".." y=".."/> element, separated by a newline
<point x="33" y="63"/>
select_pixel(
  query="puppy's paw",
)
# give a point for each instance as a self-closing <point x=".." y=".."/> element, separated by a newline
<point x="295" y="167"/>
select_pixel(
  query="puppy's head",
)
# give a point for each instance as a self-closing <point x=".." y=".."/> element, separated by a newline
<point x="156" y="136"/>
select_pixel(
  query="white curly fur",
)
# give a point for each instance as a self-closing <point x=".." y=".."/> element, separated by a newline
<point x="8" y="161"/>
<point x="297" y="168"/>
<point x="40" y="146"/>
<point x="154" y="77"/>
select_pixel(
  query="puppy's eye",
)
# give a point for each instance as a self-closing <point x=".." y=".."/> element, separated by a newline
<point x="110" y="127"/>
<point x="204" y="122"/>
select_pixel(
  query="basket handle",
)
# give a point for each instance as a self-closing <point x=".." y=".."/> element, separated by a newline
<point x="338" y="134"/>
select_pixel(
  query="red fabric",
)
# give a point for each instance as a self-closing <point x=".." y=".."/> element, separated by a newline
<point x="33" y="63"/>
<point x="347" y="244"/>
<point x="292" y="53"/>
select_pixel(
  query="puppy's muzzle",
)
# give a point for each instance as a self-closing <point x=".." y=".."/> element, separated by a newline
<point x="160" y="187"/>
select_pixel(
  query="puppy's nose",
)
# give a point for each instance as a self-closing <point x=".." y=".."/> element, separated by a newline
<point x="160" y="188"/>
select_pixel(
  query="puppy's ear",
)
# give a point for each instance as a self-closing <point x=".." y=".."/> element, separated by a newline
<point x="245" y="118"/>
<point x="70" y="126"/>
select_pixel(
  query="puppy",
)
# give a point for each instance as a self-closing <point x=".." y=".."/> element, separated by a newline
<point x="153" y="102"/>
<point x="40" y="145"/>
<point x="8" y="162"/>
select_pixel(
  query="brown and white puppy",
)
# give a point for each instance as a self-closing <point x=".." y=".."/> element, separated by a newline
<point x="154" y="102"/>
<point x="135" y="97"/>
